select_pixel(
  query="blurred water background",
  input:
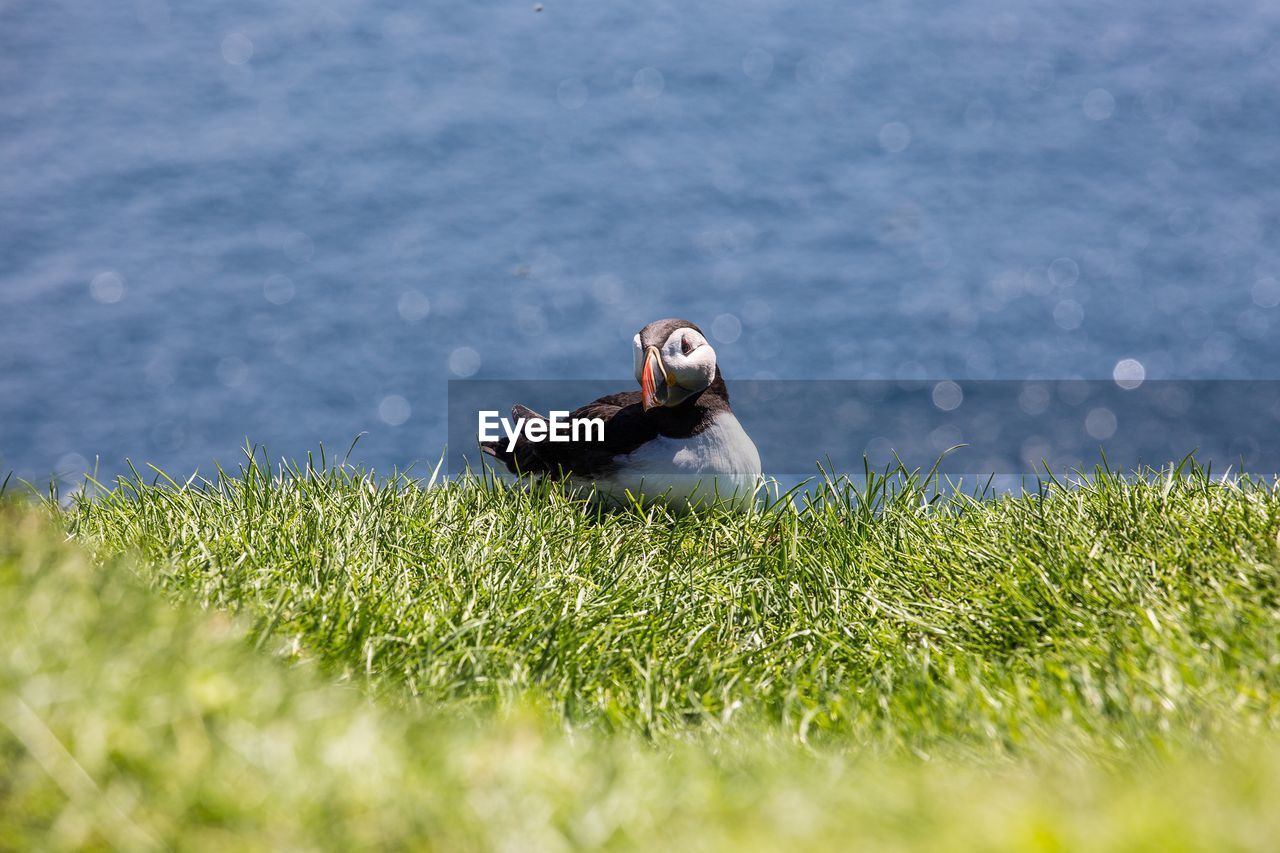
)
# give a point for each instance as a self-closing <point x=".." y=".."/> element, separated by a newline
<point x="294" y="222"/>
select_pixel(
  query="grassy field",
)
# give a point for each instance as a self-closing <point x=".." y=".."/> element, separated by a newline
<point x="318" y="659"/>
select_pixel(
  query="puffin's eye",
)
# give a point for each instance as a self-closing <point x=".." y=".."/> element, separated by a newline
<point x="686" y="345"/>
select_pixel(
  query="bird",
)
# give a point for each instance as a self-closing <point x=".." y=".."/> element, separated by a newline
<point x="675" y="441"/>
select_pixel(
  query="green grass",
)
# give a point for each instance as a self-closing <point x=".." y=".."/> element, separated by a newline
<point x="315" y="658"/>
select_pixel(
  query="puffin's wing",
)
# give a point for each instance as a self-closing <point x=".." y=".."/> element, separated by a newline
<point x="625" y="429"/>
<point x="524" y="457"/>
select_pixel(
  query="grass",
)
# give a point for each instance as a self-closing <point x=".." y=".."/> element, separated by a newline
<point x="312" y="657"/>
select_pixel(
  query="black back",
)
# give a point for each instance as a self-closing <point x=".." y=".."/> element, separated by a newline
<point x="626" y="426"/>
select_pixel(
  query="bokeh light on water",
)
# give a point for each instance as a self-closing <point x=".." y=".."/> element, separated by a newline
<point x="231" y="220"/>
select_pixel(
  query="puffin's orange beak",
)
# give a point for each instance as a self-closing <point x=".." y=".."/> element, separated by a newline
<point x="650" y="389"/>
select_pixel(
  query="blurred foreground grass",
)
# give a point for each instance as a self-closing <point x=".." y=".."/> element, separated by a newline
<point x="311" y="658"/>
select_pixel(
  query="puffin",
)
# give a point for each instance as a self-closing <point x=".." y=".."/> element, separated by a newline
<point x="674" y="441"/>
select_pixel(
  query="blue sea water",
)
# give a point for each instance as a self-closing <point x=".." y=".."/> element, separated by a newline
<point x="294" y="222"/>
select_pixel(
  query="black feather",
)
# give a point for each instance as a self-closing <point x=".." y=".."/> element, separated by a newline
<point x="626" y="426"/>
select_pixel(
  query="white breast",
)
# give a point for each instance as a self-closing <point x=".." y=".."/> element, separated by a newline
<point x="719" y="463"/>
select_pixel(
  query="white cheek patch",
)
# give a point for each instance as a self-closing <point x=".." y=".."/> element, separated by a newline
<point x="696" y="370"/>
<point x="637" y="356"/>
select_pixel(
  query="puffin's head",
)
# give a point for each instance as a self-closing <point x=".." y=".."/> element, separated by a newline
<point x="673" y="361"/>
